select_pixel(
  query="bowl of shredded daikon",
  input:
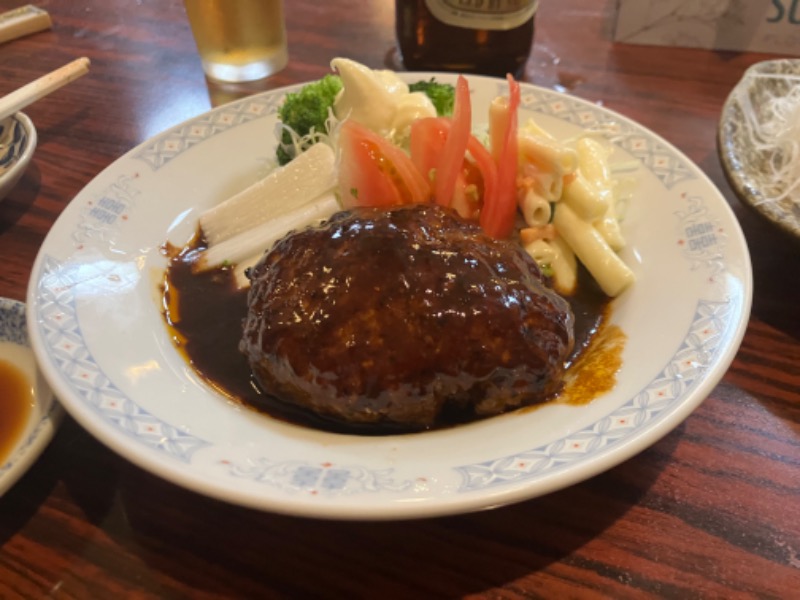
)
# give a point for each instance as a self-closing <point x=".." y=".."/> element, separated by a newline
<point x="759" y="141"/>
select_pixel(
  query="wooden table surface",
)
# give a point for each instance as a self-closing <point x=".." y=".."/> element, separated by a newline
<point x="709" y="511"/>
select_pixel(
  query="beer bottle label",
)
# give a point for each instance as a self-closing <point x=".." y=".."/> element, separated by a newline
<point x="483" y="14"/>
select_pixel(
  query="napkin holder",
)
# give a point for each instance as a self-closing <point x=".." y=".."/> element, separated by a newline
<point x="770" y="26"/>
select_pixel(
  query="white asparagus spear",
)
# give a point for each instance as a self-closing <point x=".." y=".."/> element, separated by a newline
<point x="260" y="238"/>
<point x="308" y="176"/>
<point x="240" y="270"/>
<point x="39" y="88"/>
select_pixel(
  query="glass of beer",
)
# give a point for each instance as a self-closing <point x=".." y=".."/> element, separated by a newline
<point x="239" y="40"/>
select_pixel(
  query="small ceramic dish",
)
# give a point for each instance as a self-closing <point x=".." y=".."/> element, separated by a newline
<point x="753" y="144"/>
<point x="42" y="419"/>
<point x="17" y="143"/>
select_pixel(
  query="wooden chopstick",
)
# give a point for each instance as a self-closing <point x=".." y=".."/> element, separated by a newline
<point x="23" y="21"/>
<point x="27" y="94"/>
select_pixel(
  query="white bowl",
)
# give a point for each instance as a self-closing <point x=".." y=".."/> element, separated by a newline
<point x="17" y="143"/>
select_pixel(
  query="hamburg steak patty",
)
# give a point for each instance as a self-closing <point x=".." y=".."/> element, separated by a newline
<point x="394" y="315"/>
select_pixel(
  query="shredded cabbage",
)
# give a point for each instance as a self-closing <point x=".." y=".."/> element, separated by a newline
<point x="301" y="143"/>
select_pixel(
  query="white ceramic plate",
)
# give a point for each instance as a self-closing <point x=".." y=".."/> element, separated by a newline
<point x="97" y="330"/>
<point x="45" y="414"/>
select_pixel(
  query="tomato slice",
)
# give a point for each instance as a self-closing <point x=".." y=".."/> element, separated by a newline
<point x="452" y="158"/>
<point x="476" y="176"/>
<point x="426" y="143"/>
<point x="499" y="211"/>
<point x="454" y="166"/>
<point x="482" y="160"/>
<point x="374" y="172"/>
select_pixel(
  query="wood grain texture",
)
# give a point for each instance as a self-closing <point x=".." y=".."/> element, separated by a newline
<point x="710" y="511"/>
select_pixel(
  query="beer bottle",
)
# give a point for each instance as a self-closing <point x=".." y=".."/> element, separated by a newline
<point x="492" y="37"/>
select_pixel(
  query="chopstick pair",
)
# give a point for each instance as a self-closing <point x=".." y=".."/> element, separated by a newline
<point x="24" y="21"/>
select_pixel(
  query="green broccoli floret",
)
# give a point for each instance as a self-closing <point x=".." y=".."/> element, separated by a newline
<point x="305" y="110"/>
<point x="443" y="95"/>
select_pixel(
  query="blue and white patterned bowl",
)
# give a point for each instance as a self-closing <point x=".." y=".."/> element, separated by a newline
<point x="45" y="414"/>
<point x="17" y="143"/>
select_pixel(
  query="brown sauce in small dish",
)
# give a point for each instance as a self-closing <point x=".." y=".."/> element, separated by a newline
<point x="16" y="402"/>
<point x="204" y="313"/>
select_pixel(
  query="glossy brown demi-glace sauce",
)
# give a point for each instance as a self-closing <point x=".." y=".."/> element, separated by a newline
<point x="204" y="313"/>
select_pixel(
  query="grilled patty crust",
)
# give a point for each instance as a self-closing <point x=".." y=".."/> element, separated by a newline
<point x="399" y="315"/>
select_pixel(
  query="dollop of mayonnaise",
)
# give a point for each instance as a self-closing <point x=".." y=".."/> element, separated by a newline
<point x="379" y="100"/>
